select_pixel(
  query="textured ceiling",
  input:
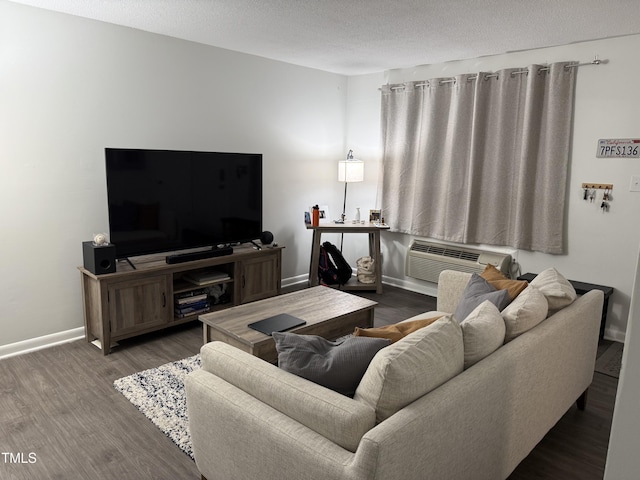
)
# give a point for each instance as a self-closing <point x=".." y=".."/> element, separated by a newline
<point x="364" y="36"/>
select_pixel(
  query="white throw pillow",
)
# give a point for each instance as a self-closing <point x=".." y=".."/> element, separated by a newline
<point x="525" y="312"/>
<point x="413" y="366"/>
<point x="482" y="332"/>
<point x="557" y="289"/>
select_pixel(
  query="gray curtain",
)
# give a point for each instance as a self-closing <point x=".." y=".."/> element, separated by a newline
<point x="482" y="158"/>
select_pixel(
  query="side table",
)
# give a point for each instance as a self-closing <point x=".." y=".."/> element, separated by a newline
<point x="374" y="251"/>
<point x="581" y="288"/>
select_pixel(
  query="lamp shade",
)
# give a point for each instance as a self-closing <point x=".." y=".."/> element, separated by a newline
<point x="351" y="171"/>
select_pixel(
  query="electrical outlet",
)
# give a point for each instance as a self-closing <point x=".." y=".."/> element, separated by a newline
<point x="635" y="183"/>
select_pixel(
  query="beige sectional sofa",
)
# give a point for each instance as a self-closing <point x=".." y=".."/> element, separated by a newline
<point x="252" y="420"/>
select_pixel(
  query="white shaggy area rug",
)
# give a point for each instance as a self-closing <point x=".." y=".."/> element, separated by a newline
<point x="159" y="393"/>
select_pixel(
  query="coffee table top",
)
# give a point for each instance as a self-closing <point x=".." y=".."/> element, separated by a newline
<point x="313" y="305"/>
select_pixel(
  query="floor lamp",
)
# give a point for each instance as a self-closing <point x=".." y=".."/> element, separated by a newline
<point x="349" y="171"/>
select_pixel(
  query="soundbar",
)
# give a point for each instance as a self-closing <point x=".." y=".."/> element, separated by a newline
<point x="189" y="257"/>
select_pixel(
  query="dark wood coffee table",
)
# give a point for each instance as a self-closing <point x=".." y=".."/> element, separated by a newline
<point x="328" y="313"/>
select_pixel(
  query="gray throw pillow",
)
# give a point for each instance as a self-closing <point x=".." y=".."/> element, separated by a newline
<point x="337" y="365"/>
<point x="477" y="291"/>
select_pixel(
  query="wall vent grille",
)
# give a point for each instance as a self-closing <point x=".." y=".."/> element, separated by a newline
<point x="425" y="260"/>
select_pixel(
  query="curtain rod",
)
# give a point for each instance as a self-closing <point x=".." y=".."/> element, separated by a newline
<point x="595" y="61"/>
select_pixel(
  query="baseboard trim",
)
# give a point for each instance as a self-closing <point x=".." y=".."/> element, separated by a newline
<point x="615" y="335"/>
<point x="39" y="343"/>
<point x="297" y="280"/>
<point x="46" y="341"/>
<point x="425" y="288"/>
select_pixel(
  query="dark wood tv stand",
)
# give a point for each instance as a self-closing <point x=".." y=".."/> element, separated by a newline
<point x="132" y="302"/>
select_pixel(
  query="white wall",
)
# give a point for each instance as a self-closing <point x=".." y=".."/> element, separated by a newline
<point x="622" y="459"/>
<point x="69" y="87"/>
<point x="601" y="247"/>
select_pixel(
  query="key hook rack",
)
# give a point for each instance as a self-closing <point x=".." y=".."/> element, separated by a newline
<point x="598" y="186"/>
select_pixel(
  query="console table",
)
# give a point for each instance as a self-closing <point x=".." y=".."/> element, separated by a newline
<point x="132" y="301"/>
<point x="581" y="288"/>
<point x="374" y="251"/>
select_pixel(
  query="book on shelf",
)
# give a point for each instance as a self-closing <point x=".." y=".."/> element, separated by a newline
<point x="205" y="277"/>
<point x="191" y="308"/>
<point x="191" y="299"/>
<point x="195" y="312"/>
<point x="191" y="293"/>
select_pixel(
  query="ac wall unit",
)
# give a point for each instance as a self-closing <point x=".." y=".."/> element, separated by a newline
<point x="425" y="260"/>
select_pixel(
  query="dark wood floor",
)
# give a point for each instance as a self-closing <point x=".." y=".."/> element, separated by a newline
<point x="60" y="405"/>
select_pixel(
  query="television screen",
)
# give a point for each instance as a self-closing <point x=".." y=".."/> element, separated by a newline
<point x="167" y="200"/>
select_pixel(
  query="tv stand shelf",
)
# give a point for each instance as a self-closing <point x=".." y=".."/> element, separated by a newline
<point x="133" y="301"/>
<point x="181" y="286"/>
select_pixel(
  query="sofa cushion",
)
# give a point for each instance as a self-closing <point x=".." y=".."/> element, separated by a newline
<point x="557" y="289"/>
<point x="477" y="291"/>
<point x="496" y="278"/>
<point x="412" y="367"/>
<point x="524" y="313"/>
<point x="482" y="332"/>
<point x="336" y="365"/>
<point x="396" y="331"/>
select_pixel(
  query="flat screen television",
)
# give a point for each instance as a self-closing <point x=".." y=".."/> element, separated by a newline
<point x="168" y="200"/>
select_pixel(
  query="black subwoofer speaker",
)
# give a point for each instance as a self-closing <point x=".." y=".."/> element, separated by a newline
<point x="99" y="259"/>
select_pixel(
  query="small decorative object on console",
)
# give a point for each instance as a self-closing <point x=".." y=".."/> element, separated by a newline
<point x="366" y="272"/>
<point x="100" y="239"/>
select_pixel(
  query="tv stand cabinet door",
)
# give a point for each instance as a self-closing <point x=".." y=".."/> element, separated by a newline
<point x="138" y="306"/>
<point x="260" y="277"/>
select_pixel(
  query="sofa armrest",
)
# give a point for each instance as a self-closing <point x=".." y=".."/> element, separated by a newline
<point x="451" y="285"/>
<point x="333" y="415"/>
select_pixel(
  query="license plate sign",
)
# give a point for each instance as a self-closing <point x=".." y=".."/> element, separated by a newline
<point x="618" y="148"/>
